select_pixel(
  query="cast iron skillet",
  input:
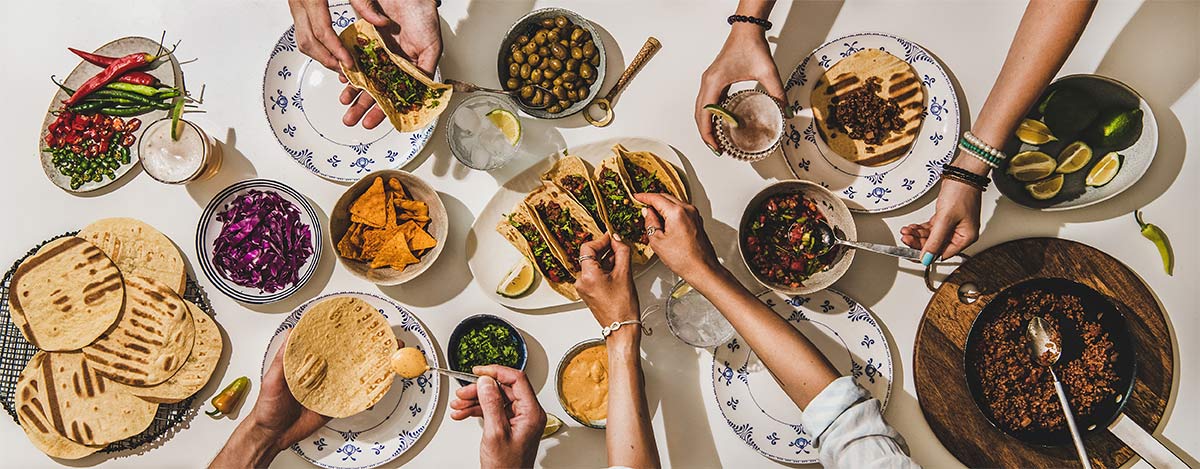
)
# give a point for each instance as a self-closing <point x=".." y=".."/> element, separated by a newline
<point x="1111" y="320"/>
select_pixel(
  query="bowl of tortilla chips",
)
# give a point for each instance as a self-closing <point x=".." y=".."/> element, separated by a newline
<point x="389" y="227"/>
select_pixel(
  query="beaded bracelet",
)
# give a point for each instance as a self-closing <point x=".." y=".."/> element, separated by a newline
<point x="979" y="143"/>
<point x="979" y="153"/>
<point x="766" y="25"/>
<point x="978" y="180"/>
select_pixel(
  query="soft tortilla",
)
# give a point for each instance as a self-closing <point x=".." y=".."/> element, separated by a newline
<point x="35" y="418"/>
<point x="404" y="122"/>
<point x="196" y="371"/>
<point x="79" y="403"/>
<point x="641" y="252"/>
<point x="138" y="249"/>
<point x="65" y="295"/>
<point x="576" y="166"/>
<point x="522" y="214"/>
<point x="337" y="358"/>
<point x="660" y="168"/>
<point x="151" y="340"/>
<point x="550" y="193"/>
<point x="898" y="81"/>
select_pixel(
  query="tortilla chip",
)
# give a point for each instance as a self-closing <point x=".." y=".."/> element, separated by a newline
<point x="394" y="184"/>
<point x="390" y="209"/>
<point x="417" y="237"/>
<point x="375" y="239"/>
<point x="395" y="253"/>
<point x="415" y="207"/>
<point x="371" y="207"/>
<point x="350" y="246"/>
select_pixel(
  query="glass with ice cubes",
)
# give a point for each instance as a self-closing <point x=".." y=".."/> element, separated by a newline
<point x="475" y="139"/>
<point x="694" y="320"/>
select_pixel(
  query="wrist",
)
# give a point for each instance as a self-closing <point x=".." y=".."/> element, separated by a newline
<point x="625" y="339"/>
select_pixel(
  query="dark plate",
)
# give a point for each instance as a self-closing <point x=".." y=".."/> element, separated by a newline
<point x="1111" y="320"/>
<point x="480" y="320"/>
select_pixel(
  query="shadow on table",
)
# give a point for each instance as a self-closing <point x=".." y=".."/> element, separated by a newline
<point x="234" y="167"/>
<point x="449" y="275"/>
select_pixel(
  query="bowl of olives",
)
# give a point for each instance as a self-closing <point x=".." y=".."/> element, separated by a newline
<point x="554" y="59"/>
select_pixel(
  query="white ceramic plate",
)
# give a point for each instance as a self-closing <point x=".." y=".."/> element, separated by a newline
<point x="490" y="256"/>
<point x="300" y="98"/>
<point x="393" y="425"/>
<point x="873" y="189"/>
<point x="167" y="72"/>
<point x="209" y="228"/>
<point x="756" y="408"/>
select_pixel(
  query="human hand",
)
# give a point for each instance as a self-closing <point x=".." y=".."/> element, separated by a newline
<point x="608" y="291"/>
<point x="511" y="433"/>
<point x="679" y="238"/>
<point x="278" y="413"/>
<point x="315" y="36"/>
<point x="953" y="227"/>
<point x="745" y="56"/>
<point x="412" y="25"/>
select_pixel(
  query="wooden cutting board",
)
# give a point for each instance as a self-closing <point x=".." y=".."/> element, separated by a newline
<point x="941" y="337"/>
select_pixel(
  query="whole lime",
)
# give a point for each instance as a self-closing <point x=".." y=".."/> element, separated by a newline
<point x="1116" y="129"/>
<point x="1068" y="111"/>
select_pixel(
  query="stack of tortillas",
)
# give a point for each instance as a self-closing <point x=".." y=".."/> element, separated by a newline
<point x="337" y="360"/>
<point x="116" y="337"/>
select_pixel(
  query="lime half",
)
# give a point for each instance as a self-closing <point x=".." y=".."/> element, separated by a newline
<point x="724" y="114"/>
<point x="519" y="280"/>
<point x="508" y="124"/>
<point x="1029" y="166"/>
<point x="1105" y="170"/>
<point x="1073" y="158"/>
<point x="1034" y="132"/>
<point x="1046" y="188"/>
<point x="552" y="425"/>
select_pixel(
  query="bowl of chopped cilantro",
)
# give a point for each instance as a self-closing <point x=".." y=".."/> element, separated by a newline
<point x="484" y="339"/>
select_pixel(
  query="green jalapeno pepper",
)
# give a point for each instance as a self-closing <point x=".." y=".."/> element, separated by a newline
<point x="1155" y="234"/>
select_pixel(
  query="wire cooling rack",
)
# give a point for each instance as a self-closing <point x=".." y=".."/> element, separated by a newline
<point x="15" y="352"/>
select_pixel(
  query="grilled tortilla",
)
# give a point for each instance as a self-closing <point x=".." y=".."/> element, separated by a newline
<point x="563" y="222"/>
<point x="647" y="173"/>
<point x="409" y="98"/>
<point x="521" y="229"/>
<point x="138" y="249"/>
<point x="65" y="295"/>
<point x="198" y="368"/>
<point x="151" y="340"/>
<point x="898" y="81"/>
<point x="574" y="176"/>
<point x="624" y="213"/>
<point x="37" y="419"/>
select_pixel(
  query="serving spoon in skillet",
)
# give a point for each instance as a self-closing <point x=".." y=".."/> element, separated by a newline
<point x="1046" y="353"/>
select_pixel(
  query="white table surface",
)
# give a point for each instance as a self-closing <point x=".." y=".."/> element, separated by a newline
<point x="1152" y="46"/>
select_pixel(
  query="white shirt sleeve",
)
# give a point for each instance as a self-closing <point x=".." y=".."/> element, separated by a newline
<point x="849" y="430"/>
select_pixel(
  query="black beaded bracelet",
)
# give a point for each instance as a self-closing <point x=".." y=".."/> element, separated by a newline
<point x="766" y="25"/>
<point x="966" y="176"/>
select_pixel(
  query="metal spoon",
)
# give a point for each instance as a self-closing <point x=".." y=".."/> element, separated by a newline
<point x="396" y="368"/>
<point x="1046" y="352"/>
<point x="464" y="87"/>
<point x="828" y="239"/>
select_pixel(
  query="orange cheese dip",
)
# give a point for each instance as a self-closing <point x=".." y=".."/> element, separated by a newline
<point x="585" y="384"/>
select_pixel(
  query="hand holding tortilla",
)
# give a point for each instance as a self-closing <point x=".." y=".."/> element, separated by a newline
<point x="407" y="96"/>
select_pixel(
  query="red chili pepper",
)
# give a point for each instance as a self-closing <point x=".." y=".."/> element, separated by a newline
<point x="134" y="77"/>
<point x="115" y="69"/>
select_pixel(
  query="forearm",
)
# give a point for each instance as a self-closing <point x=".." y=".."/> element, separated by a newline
<point x="1047" y="34"/>
<point x="794" y="361"/>
<point x="629" y="435"/>
<point x="248" y="446"/>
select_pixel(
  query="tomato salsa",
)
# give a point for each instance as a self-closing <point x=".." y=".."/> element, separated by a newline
<point x="781" y="243"/>
<point x="566" y="230"/>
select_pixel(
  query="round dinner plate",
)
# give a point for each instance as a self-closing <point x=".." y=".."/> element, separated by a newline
<point x="873" y="189"/>
<point x="754" y="405"/>
<point x="394" y="424"/>
<point x="300" y="98"/>
<point x="209" y="228"/>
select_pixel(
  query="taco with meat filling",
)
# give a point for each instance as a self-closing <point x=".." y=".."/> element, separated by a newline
<point x="648" y="174"/>
<point x="623" y="212"/>
<point x="521" y="229"/>
<point x="409" y="98"/>
<point x="564" y="222"/>
<point x="574" y="176"/>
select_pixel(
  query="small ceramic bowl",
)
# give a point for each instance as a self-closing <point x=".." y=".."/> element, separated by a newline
<point x="480" y="320"/>
<point x="558" y="379"/>
<point x="524" y="24"/>
<point x="836" y="214"/>
<point x="339" y="222"/>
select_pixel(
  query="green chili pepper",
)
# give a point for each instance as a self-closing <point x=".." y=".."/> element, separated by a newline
<point x="229" y="397"/>
<point x="1153" y="233"/>
<point x="176" y="114"/>
<point x="132" y="88"/>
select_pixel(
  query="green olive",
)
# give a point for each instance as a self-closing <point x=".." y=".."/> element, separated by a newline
<point x="590" y="80"/>
<point x="556" y="65"/>
<point x="555" y="109"/>
<point x="543" y="51"/>
<point x="533" y="59"/>
<point x="514" y="69"/>
<point x="559" y="92"/>
<point x="539" y="37"/>
<point x="558" y="81"/>
<point x="518" y="56"/>
<point x="552" y="36"/>
<point x="572" y="65"/>
<point x="512" y="84"/>
<point x="564" y="43"/>
<point x="581" y="86"/>
<point x="577" y="34"/>
<point x="547" y="22"/>
<point x="522" y="39"/>
<point x="573" y="95"/>
<point x="564" y="103"/>
<point x="545" y="83"/>
<point x="538" y="96"/>
<point x="559" y="51"/>
<point x="589" y="49"/>
<point x="549" y="72"/>
<point x="525" y="69"/>
<point x="577" y="53"/>
<point x="569" y="85"/>
<point x="529" y="48"/>
<point x="527" y="91"/>
<point x="535" y="75"/>
<point x="568" y="76"/>
<point x="586" y="71"/>
<point x="595" y="61"/>
<point x="561" y="21"/>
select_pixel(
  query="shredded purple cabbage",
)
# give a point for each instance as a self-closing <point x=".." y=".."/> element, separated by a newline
<point x="263" y="244"/>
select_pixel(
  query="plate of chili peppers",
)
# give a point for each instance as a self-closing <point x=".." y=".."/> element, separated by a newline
<point x="88" y="138"/>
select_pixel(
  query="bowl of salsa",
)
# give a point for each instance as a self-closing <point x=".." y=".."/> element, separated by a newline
<point x="778" y="241"/>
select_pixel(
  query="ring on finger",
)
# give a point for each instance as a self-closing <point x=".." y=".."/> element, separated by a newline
<point x="651" y="230"/>
<point x="586" y="257"/>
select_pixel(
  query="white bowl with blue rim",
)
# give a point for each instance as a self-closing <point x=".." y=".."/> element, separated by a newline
<point x="392" y="426"/>
<point x="872" y="189"/>
<point x="300" y="98"/>
<point x="209" y="229"/>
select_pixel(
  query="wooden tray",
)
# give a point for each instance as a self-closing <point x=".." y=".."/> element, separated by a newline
<point x="942" y="335"/>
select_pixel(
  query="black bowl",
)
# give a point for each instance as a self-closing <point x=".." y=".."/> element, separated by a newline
<point x="480" y="320"/>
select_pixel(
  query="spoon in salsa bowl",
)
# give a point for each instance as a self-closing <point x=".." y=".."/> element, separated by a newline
<point x="826" y="238"/>
<point x="1044" y="346"/>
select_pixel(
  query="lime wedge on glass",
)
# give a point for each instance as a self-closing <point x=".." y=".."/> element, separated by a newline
<point x="1034" y="132"/>
<point x="1046" y="188"/>
<point x="681" y="290"/>
<point x="508" y="124"/>
<point x="1105" y="170"/>
<point x="552" y="425"/>
<point x="1030" y="166"/>
<point x="724" y="114"/>
<point x="519" y="280"/>
<point x="1073" y="158"/>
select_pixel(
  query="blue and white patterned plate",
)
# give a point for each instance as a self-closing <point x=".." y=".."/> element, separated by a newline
<point x="754" y="405"/>
<point x="393" y="425"/>
<point x="873" y="189"/>
<point x="300" y="98"/>
<point x="209" y="228"/>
